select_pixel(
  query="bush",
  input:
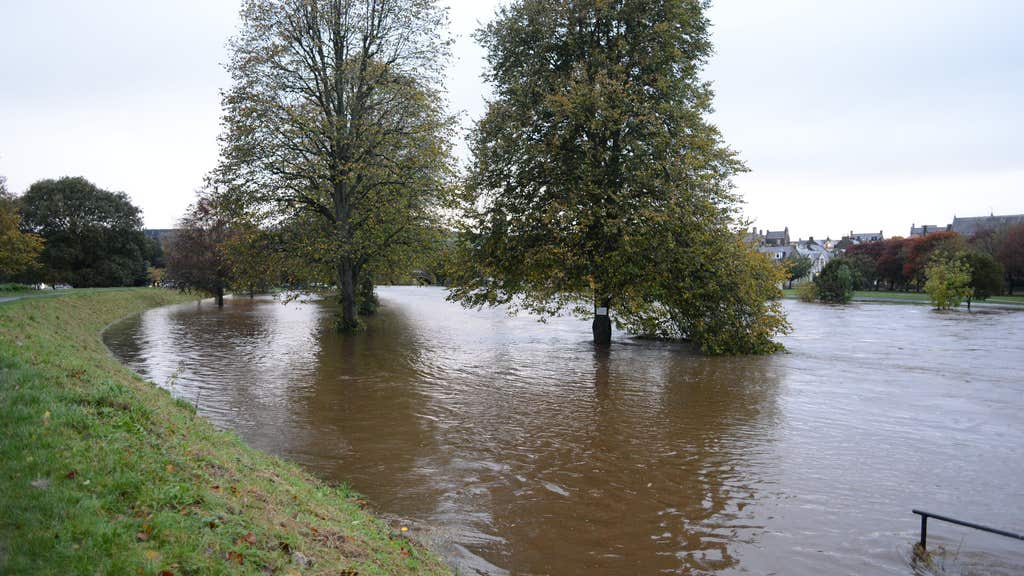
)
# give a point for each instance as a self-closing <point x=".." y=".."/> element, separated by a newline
<point x="835" y="282"/>
<point x="807" y="292"/>
<point x="948" y="282"/>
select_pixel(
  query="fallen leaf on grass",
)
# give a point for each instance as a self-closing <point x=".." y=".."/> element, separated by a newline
<point x="236" y="557"/>
<point x="151" y="555"/>
<point x="249" y="538"/>
<point x="142" y="536"/>
<point x="71" y="475"/>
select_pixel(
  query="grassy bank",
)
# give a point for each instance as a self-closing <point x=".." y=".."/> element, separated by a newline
<point x="103" y="473"/>
<point x="916" y="297"/>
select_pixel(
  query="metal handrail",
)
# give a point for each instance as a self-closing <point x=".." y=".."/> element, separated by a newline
<point x="926" y="515"/>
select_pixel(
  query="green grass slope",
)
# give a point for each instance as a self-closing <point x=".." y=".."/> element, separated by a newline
<point x="104" y="473"/>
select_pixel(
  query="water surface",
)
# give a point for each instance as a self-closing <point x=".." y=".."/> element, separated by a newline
<point x="514" y="446"/>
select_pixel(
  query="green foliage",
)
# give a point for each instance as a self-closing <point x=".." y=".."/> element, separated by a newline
<point x="725" y="298"/>
<point x="948" y="282"/>
<point x="196" y="251"/>
<point x="835" y="282"/>
<point x="597" y="180"/>
<point x="986" y="275"/>
<point x="18" y="250"/>
<point x="336" y="138"/>
<point x="864" y="271"/>
<point x="797" y="267"/>
<point x="93" y="237"/>
<point x="807" y="292"/>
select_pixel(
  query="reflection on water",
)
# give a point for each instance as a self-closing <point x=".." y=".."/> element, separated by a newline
<point x="515" y="446"/>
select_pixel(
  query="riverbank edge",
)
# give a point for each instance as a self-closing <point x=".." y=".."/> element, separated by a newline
<point x="102" y="472"/>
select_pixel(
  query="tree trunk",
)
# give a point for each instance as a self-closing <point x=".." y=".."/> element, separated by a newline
<point x="602" y="326"/>
<point x="347" y="286"/>
<point x="219" y="295"/>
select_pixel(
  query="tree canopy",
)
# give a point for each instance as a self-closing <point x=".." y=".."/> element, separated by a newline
<point x="336" y="135"/>
<point x="196" y="257"/>
<point x="986" y="276"/>
<point x="1011" y="255"/>
<point x="948" y="282"/>
<point x="93" y="237"/>
<point x="18" y="250"/>
<point x="835" y="282"/>
<point x="598" y="183"/>
<point x="797" y="267"/>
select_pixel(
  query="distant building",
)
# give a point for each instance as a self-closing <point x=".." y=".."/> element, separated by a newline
<point x="861" y="237"/>
<point x="973" y="225"/>
<point x="819" y="251"/>
<point x="926" y="229"/>
<point x="776" y="252"/>
<point x="776" y="238"/>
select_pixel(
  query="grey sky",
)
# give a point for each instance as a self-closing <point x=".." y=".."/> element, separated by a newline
<point x="868" y="115"/>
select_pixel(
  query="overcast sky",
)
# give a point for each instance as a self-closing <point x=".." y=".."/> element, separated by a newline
<point x="851" y="115"/>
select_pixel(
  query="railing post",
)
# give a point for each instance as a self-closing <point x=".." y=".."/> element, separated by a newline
<point x="924" y="531"/>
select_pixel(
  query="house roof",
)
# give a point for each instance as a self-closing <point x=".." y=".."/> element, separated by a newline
<point x="972" y="225"/>
<point x="925" y="229"/>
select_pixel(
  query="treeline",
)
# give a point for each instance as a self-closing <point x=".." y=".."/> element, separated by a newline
<point x="69" y="231"/>
<point x="598" y="184"/>
<point x="950" y="267"/>
<point x="607" y="194"/>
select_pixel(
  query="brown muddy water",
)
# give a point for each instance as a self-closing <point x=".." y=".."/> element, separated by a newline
<point x="512" y="446"/>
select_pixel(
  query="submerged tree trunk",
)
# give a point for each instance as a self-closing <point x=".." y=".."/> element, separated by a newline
<point x="366" y="297"/>
<point x="602" y="326"/>
<point x="218" y="293"/>
<point x="346" y="284"/>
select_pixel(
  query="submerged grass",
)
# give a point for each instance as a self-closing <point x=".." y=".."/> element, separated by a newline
<point x="103" y="473"/>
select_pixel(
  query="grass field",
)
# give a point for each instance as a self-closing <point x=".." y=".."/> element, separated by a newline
<point x="916" y="297"/>
<point x="103" y="473"/>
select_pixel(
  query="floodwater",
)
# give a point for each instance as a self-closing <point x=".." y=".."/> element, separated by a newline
<point x="513" y="446"/>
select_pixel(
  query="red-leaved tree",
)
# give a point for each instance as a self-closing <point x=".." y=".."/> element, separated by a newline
<point x="1011" y="255"/>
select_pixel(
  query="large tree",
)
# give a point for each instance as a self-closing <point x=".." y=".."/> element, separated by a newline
<point x="196" y="255"/>
<point x="835" y="282"/>
<point x="336" y="120"/>
<point x="1011" y="255"/>
<point x="93" y="237"/>
<point x="986" y="276"/>
<point x="797" y="266"/>
<point x="18" y="250"/>
<point x="921" y="250"/>
<point x="948" y="281"/>
<point x="597" y="181"/>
